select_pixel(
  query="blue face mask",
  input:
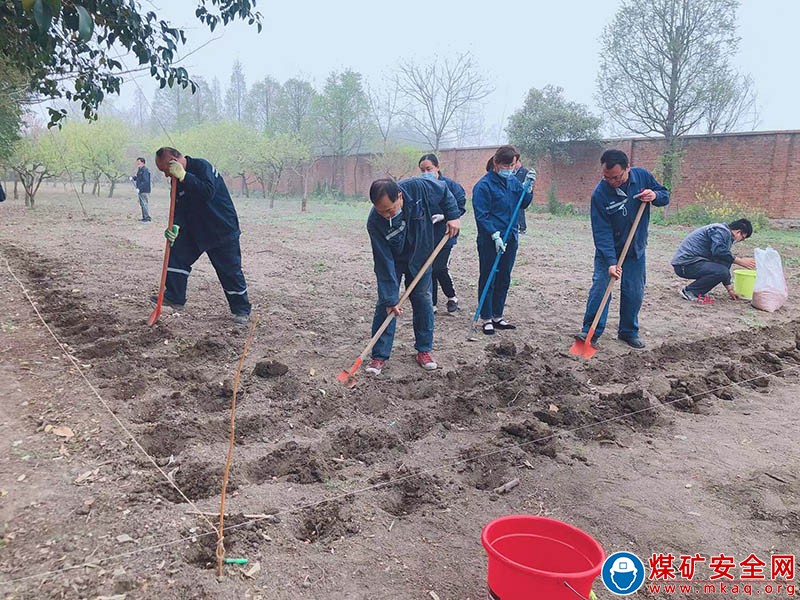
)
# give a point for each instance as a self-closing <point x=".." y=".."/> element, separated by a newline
<point x="505" y="173"/>
<point x="430" y="175"/>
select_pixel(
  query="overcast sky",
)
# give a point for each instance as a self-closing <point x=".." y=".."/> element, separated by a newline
<point x="517" y="47"/>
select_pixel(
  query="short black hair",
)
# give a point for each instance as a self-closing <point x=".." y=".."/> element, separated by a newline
<point x="611" y="158"/>
<point x="430" y="157"/>
<point x="743" y="225"/>
<point x="169" y="151"/>
<point x="141" y="159"/>
<point x="383" y="187"/>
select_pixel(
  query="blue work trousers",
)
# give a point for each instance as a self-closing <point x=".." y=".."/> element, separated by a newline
<point x="631" y="295"/>
<point x="421" y="304"/>
<point x="495" y="302"/>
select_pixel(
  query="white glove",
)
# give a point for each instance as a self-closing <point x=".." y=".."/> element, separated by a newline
<point x="137" y="190"/>
<point x="437" y="219"/>
<point x="531" y="175"/>
<point x="499" y="245"/>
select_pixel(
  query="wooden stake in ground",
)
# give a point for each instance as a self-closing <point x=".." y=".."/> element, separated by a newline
<point x="229" y="459"/>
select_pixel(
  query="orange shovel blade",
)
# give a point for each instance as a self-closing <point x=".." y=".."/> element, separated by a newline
<point x="348" y="377"/>
<point x="155" y="314"/>
<point x="584" y="348"/>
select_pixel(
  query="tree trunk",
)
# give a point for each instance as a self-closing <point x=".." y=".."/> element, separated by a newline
<point x="111" y="189"/>
<point x="245" y="189"/>
<point x="304" y="180"/>
<point x="83" y="183"/>
<point x="16" y="191"/>
<point x="96" y="188"/>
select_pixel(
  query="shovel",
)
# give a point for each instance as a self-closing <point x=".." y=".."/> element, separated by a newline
<point x="348" y="377"/>
<point x="585" y="348"/>
<point x="157" y="310"/>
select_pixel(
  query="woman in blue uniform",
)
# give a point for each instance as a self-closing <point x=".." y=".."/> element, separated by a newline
<point x="494" y="199"/>
<point x="429" y="167"/>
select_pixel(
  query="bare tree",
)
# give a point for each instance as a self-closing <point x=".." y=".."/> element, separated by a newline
<point x="236" y="96"/>
<point x="658" y="64"/>
<point x="385" y="108"/>
<point x="262" y="103"/>
<point x="438" y="92"/>
<point x="731" y="104"/>
<point x="294" y="105"/>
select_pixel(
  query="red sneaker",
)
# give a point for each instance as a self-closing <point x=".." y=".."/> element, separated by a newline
<point x="375" y="366"/>
<point x="426" y="361"/>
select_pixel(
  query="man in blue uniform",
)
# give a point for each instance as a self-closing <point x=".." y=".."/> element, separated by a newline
<point x="205" y="221"/>
<point x="401" y="233"/>
<point x="615" y="202"/>
<point x="142" y="182"/>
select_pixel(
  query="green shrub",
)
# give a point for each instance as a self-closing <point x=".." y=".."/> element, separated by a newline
<point x="711" y="206"/>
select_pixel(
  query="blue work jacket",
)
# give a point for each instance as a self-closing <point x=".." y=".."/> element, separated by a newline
<point x="613" y="211"/>
<point x="404" y="242"/>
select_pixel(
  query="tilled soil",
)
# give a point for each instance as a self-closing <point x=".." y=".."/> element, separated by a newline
<point x="379" y="491"/>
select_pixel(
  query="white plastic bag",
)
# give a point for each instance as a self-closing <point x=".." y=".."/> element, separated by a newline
<point x="770" y="291"/>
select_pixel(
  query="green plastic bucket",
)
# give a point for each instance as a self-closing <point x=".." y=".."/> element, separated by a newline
<point x="743" y="282"/>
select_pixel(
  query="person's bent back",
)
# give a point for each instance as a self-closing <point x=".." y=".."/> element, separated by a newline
<point x="706" y="256"/>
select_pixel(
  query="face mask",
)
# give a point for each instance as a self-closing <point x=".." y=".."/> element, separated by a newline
<point x="430" y="175"/>
<point x="505" y="173"/>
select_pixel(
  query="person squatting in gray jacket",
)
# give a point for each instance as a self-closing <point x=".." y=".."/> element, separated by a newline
<point x="706" y="257"/>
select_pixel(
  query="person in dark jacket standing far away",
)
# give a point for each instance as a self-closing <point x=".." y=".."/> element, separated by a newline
<point x="142" y="182"/>
<point x="429" y="166"/>
<point x="401" y="233"/>
<point x="705" y="256"/>
<point x="520" y="172"/>
<point x="205" y="221"/>
<point x="494" y="199"/>
<point x="615" y="202"/>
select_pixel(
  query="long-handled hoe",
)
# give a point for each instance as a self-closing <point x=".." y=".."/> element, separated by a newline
<point x="157" y="310"/>
<point x="586" y="348"/>
<point x="348" y="377"/>
<point x="473" y="330"/>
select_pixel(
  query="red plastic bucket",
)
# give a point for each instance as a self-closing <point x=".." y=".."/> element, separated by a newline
<point x="534" y="558"/>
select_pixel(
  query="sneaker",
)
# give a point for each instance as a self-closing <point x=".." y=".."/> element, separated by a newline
<point x="634" y="342"/>
<point x="242" y="319"/>
<point x="375" y="366"/>
<point x="426" y="361"/>
<point x="166" y="302"/>
<point x="452" y="305"/>
<point x="687" y="296"/>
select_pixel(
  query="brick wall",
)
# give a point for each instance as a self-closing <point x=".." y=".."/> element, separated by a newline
<point x="762" y="169"/>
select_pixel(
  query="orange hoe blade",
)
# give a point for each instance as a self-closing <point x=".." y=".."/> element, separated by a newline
<point x="585" y="348"/>
<point x="159" y="303"/>
<point x="349" y="377"/>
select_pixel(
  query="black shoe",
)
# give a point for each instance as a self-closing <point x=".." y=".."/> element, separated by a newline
<point x="502" y="324"/>
<point x="687" y="295"/>
<point x="581" y="337"/>
<point x="452" y="306"/>
<point x="166" y="302"/>
<point x="241" y="319"/>
<point x="634" y="342"/>
<point x="488" y="328"/>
